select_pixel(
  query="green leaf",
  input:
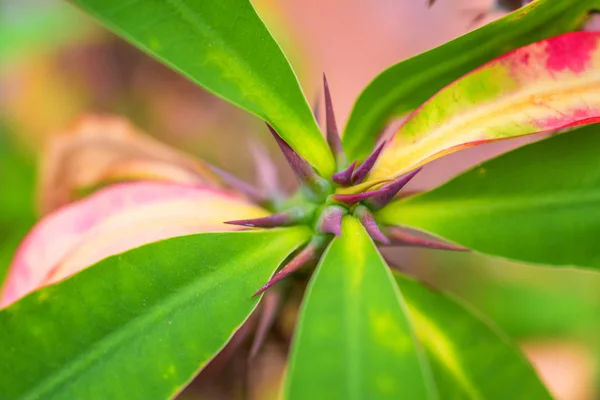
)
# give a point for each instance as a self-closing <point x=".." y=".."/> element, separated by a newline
<point x="224" y="47"/>
<point x="353" y="339"/>
<point x="469" y="358"/>
<point x="537" y="204"/>
<point x="406" y="85"/>
<point x="141" y="324"/>
<point x="526" y="302"/>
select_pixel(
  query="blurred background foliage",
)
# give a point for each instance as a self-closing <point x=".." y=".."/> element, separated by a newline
<point x="56" y="64"/>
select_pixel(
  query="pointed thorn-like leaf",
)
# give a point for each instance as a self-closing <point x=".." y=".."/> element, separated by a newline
<point x="403" y="238"/>
<point x="392" y="189"/>
<point x="333" y="136"/>
<point x="363" y="170"/>
<point x="270" y="304"/>
<point x="368" y="221"/>
<point x="344" y="178"/>
<point x="236" y="183"/>
<point x="302" y="169"/>
<point x="284" y="218"/>
<point x="350" y="199"/>
<point x="330" y="220"/>
<point x="301" y="259"/>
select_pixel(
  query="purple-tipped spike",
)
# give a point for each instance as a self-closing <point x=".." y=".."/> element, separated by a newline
<point x="363" y="170"/>
<point x="333" y="136"/>
<point x="350" y="199"/>
<point x="403" y="238"/>
<point x="330" y="220"/>
<point x="344" y="178"/>
<point x="270" y="304"/>
<point x="381" y="200"/>
<point x="368" y="221"/>
<point x="285" y="218"/>
<point x="236" y="183"/>
<point x="302" y="169"/>
<point x="307" y="255"/>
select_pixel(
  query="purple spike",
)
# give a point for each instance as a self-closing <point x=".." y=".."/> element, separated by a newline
<point x="402" y="238"/>
<point x="270" y="304"/>
<point x="331" y="220"/>
<point x="333" y="136"/>
<point x="381" y="200"/>
<point x="363" y="170"/>
<point x="344" y="178"/>
<point x="301" y="259"/>
<point x="350" y="199"/>
<point x="285" y="218"/>
<point x="368" y="221"/>
<point x="302" y="169"/>
<point x="236" y="183"/>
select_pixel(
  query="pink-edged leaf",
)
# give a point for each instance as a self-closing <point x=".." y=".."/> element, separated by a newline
<point x="113" y="220"/>
<point x="545" y="86"/>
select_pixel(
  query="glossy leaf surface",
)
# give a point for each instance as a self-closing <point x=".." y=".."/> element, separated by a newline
<point x="537" y="204"/>
<point x="406" y="85"/>
<point x="353" y="339"/>
<point x="470" y="359"/>
<point x="113" y="220"/>
<point x="542" y="87"/>
<point x="138" y="325"/>
<point x="224" y="47"/>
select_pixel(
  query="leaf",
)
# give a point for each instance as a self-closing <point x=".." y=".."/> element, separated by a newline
<point x="353" y="339"/>
<point x="406" y="85"/>
<point x="224" y="47"/>
<point x="105" y="149"/>
<point x="537" y="204"/>
<point x="113" y="220"/>
<point x="538" y="302"/>
<point x="470" y="359"/>
<point x="542" y="87"/>
<point x="141" y="324"/>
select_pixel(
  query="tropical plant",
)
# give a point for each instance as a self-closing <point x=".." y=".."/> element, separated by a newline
<point x="129" y="292"/>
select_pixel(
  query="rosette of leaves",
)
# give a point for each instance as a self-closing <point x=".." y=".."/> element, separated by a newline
<point x="129" y="292"/>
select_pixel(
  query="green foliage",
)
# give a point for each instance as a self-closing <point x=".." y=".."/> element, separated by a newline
<point x="460" y="343"/>
<point x="138" y="325"/>
<point x="141" y="324"/>
<point x="357" y="330"/>
<point x="224" y="47"/>
<point x="353" y="338"/>
<point x="406" y="85"/>
<point x="537" y="204"/>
